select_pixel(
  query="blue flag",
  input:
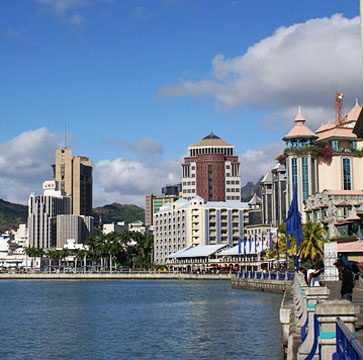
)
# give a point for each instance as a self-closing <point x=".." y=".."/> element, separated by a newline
<point x="250" y="241"/>
<point x="244" y="246"/>
<point x="256" y="243"/>
<point x="293" y="222"/>
<point x="294" y="226"/>
<point x="271" y="243"/>
<point x="239" y="245"/>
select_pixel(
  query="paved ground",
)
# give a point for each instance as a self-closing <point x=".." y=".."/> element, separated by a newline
<point x="334" y="287"/>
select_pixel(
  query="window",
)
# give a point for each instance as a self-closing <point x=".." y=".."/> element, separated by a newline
<point x="346" y="175"/>
<point x="335" y="145"/>
<point x="294" y="173"/>
<point x="354" y="145"/>
<point x="305" y="178"/>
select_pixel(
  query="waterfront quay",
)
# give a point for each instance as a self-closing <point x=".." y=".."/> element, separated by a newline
<point x="317" y="324"/>
<point x="263" y="281"/>
<point x="114" y="276"/>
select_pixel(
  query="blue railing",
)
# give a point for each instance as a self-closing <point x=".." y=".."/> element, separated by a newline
<point x="266" y="275"/>
<point x="348" y="347"/>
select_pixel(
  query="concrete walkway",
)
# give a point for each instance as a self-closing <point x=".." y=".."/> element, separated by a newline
<point x="334" y="287"/>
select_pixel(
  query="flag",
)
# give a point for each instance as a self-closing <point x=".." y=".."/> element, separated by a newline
<point x="293" y="222"/>
<point x="244" y="246"/>
<point x="250" y="241"/>
<point x="271" y="243"/>
<point x="256" y="243"/>
<point x="294" y="226"/>
<point x="239" y="245"/>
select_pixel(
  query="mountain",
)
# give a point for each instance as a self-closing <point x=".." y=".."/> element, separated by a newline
<point x="250" y="189"/>
<point x="118" y="212"/>
<point x="11" y="215"/>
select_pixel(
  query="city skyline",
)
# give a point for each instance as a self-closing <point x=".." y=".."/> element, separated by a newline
<point x="137" y="83"/>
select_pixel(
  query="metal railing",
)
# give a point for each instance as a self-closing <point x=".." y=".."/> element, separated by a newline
<point x="348" y="347"/>
<point x="268" y="275"/>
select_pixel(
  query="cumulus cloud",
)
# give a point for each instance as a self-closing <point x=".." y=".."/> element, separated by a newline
<point x="123" y="179"/>
<point x="143" y="145"/>
<point x="256" y="162"/>
<point x="302" y="64"/>
<point x="25" y="162"/>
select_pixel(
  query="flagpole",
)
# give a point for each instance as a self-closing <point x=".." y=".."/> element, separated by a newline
<point x="361" y="36"/>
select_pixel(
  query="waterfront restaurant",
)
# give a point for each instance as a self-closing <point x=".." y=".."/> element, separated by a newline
<point x="195" y="259"/>
<point x="249" y="255"/>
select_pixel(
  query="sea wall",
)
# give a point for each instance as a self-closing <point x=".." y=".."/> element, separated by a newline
<point x="268" y="285"/>
<point x="116" y="276"/>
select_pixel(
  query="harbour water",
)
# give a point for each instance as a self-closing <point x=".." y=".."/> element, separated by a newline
<point x="142" y="319"/>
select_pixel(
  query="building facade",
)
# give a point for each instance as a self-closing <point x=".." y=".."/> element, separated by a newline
<point x="212" y="171"/>
<point x="329" y="159"/>
<point x="273" y="191"/>
<point x="153" y="203"/>
<point x="75" y="227"/>
<point x="197" y="222"/>
<point x="74" y="175"/>
<point x="42" y="215"/>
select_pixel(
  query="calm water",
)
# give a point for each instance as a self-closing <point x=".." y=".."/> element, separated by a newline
<point x="137" y="320"/>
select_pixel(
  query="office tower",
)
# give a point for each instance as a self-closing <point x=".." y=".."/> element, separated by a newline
<point x="212" y="171"/>
<point x="42" y="215"/>
<point x="152" y="205"/>
<point x="74" y="175"/>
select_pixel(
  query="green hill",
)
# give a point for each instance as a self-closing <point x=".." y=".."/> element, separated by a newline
<point x="118" y="212"/>
<point x="11" y="215"/>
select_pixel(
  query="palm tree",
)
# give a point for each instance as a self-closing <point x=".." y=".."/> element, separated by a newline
<point x="312" y="248"/>
<point x="51" y="254"/>
<point x="32" y="253"/>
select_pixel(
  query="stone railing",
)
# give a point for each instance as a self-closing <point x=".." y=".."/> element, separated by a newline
<point x="315" y="327"/>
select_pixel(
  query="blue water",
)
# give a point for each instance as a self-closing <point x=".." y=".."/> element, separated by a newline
<point x="137" y="320"/>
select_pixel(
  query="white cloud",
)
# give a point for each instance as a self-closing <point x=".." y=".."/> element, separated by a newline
<point x="141" y="13"/>
<point x="142" y="145"/>
<point x="25" y="161"/>
<point x="256" y="162"/>
<point x="62" y="6"/>
<point x="123" y="180"/>
<point x="302" y="64"/>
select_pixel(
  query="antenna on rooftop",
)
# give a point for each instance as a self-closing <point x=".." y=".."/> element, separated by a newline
<point x="339" y="110"/>
<point x="65" y="135"/>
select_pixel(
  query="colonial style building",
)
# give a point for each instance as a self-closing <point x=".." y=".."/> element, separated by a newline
<point x="273" y="190"/>
<point x="196" y="222"/>
<point x="325" y="168"/>
<point x="212" y="171"/>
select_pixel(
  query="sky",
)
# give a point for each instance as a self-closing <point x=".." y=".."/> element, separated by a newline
<point x="133" y="83"/>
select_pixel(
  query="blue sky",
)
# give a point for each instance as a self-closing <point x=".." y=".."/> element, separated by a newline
<point x="138" y="81"/>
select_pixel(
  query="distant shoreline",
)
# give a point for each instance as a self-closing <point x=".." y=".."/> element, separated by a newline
<point x="116" y="276"/>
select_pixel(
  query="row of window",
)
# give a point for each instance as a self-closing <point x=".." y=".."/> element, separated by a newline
<point x="232" y="190"/>
<point x="232" y="182"/>
<point x="188" y="183"/>
<point x="233" y="197"/>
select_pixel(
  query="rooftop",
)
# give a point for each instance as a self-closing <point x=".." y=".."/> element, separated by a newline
<point x="197" y="251"/>
<point x="300" y="129"/>
<point x="211" y="140"/>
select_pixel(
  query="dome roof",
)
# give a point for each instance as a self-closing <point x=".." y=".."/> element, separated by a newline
<point x="211" y="140"/>
<point x="353" y="114"/>
<point x="300" y="129"/>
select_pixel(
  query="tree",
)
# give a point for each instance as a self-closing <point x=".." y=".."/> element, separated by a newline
<point x="312" y="248"/>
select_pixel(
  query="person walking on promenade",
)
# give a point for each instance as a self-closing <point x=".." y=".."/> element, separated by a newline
<point x="347" y="277"/>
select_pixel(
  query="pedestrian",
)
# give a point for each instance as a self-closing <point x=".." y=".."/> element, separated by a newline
<point x="347" y="277"/>
<point x="314" y="275"/>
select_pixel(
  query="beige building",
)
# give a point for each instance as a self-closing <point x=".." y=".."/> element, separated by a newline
<point x="186" y="223"/>
<point x="73" y="227"/>
<point x="74" y="175"/>
<point x="325" y="164"/>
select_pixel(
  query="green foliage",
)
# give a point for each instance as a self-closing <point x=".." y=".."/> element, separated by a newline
<point x="125" y="249"/>
<point x="311" y="249"/>
<point x="11" y="215"/>
<point x="119" y="212"/>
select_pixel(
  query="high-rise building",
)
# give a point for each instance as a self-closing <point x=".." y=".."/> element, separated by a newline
<point x="42" y="215"/>
<point x="152" y="205"/>
<point x="74" y="175"/>
<point x="172" y="189"/>
<point x="75" y="227"/>
<point x="196" y="222"/>
<point x="212" y="171"/>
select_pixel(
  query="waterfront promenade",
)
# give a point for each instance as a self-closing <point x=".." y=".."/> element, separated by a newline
<point x="115" y="276"/>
